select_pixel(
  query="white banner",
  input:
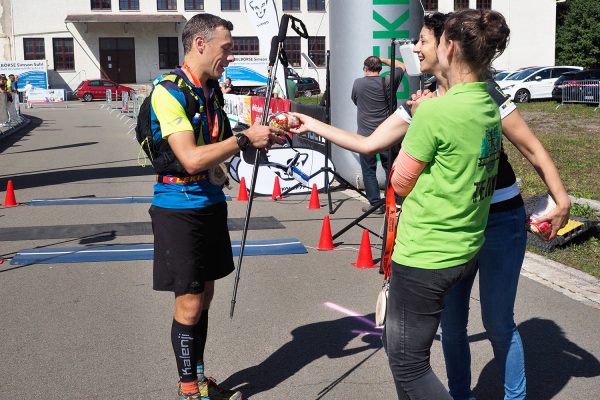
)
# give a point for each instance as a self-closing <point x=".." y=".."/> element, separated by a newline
<point x="263" y="16"/>
<point x="46" y="96"/>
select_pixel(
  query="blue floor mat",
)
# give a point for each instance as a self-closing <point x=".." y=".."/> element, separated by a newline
<point x="143" y="252"/>
<point x="95" y="200"/>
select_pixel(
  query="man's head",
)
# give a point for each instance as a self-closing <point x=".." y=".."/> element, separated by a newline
<point x="372" y="64"/>
<point x="207" y="43"/>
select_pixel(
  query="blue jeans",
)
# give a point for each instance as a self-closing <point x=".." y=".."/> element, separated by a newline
<point x="499" y="264"/>
<point x="368" y="165"/>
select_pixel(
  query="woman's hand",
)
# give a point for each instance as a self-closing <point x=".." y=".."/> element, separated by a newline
<point x="558" y="218"/>
<point x="417" y="97"/>
<point x="306" y="123"/>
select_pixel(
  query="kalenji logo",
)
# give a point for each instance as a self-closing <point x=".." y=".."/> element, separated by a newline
<point x="259" y="7"/>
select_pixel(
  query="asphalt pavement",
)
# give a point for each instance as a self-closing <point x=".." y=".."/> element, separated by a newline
<point x="303" y="323"/>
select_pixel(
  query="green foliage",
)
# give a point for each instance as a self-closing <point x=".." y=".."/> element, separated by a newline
<point x="578" y="36"/>
<point x="583" y="210"/>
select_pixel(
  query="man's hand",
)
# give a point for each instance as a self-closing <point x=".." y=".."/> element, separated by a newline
<point x="262" y="137"/>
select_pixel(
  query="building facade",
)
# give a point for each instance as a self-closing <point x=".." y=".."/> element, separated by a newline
<point x="133" y="41"/>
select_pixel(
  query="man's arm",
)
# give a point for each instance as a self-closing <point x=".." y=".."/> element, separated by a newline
<point x="178" y="130"/>
<point x="397" y="64"/>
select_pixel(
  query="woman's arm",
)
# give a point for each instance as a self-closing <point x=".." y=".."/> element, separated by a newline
<point x="518" y="132"/>
<point x="390" y="132"/>
<point x="407" y="170"/>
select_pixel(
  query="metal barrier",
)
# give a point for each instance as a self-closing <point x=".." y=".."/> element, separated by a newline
<point x="585" y="91"/>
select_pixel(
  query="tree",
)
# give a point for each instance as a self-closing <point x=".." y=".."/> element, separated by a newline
<point x="578" y="33"/>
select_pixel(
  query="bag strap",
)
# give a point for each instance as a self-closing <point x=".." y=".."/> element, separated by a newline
<point x="392" y="221"/>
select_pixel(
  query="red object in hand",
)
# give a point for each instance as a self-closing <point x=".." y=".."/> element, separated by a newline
<point x="543" y="228"/>
<point x="284" y="121"/>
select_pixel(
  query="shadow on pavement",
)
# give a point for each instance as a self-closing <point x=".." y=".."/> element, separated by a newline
<point x="551" y="360"/>
<point x="309" y="343"/>
<point x="67" y="146"/>
<point x="8" y="141"/>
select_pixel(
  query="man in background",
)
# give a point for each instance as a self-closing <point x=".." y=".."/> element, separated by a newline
<point x="371" y="94"/>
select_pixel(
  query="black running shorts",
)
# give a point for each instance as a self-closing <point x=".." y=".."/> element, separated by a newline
<point x="191" y="246"/>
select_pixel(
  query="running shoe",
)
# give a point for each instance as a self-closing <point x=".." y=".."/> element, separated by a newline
<point x="193" y="396"/>
<point x="209" y="390"/>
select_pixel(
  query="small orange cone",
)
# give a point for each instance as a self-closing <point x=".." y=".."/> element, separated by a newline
<point x="365" y="257"/>
<point x="243" y="192"/>
<point x="276" y="189"/>
<point x="326" y="241"/>
<point x="314" y="203"/>
<point x="10" y="200"/>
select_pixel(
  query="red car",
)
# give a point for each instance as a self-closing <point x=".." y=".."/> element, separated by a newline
<point x="95" y="89"/>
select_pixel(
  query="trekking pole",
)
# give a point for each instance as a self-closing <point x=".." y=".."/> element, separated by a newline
<point x="276" y="48"/>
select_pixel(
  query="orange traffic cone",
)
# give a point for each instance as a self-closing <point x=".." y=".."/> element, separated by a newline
<point x="10" y="200"/>
<point x="243" y="192"/>
<point x="365" y="257"/>
<point x="314" y="203"/>
<point x="276" y="189"/>
<point x="326" y="241"/>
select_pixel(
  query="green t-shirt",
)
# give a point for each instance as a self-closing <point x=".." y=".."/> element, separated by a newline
<point x="444" y="217"/>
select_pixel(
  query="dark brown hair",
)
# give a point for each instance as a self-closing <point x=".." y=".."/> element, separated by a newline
<point x="373" y="64"/>
<point x="482" y="35"/>
<point x="202" y="25"/>
<point x="435" y="23"/>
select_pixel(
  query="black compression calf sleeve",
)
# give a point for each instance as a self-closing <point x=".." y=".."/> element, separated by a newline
<point x="182" y="338"/>
<point x="200" y="334"/>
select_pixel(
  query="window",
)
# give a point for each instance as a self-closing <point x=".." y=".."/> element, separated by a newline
<point x="194" y="5"/>
<point x="166" y="5"/>
<point x="316" y="5"/>
<point x="484" y="4"/>
<point x="64" y="58"/>
<point x="290" y="5"/>
<point x="292" y="50"/>
<point x="129" y="5"/>
<point x="461" y="4"/>
<point x="109" y="84"/>
<point x="34" y="49"/>
<point x="229" y="5"/>
<point x="94" y="83"/>
<point x="101" y="5"/>
<point x="543" y="74"/>
<point x="431" y="5"/>
<point x="168" y="52"/>
<point x="245" y="45"/>
<point x="316" y="50"/>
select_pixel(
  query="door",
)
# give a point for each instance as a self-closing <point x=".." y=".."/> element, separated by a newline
<point x="540" y="84"/>
<point x="117" y="59"/>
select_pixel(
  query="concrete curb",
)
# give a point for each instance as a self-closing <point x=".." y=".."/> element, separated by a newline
<point x="566" y="280"/>
<point x="592" y="203"/>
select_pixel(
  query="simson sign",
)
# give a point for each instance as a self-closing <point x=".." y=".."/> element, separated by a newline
<point x="358" y="29"/>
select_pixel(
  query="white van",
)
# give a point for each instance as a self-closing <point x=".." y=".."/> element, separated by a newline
<point x="533" y="83"/>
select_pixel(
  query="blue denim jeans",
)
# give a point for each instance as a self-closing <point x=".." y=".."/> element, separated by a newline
<point x="368" y="165"/>
<point x="499" y="264"/>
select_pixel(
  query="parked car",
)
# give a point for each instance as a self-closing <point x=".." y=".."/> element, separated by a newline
<point x="307" y="86"/>
<point x="95" y="89"/>
<point x="564" y="82"/>
<point x="501" y="75"/>
<point x="534" y="83"/>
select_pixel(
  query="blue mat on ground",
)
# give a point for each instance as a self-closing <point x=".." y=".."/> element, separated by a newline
<point x="95" y="200"/>
<point x="143" y="252"/>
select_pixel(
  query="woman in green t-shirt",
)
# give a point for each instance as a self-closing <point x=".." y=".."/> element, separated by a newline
<point x="447" y="170"/>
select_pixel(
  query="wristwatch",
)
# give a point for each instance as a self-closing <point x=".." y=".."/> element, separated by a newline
<point x="242" y="141"/>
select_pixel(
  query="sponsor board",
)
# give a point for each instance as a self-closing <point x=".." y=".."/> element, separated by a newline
<point x="34" y="71"/>
<point x="46" y="96"/>
<point x="309" y="162"/>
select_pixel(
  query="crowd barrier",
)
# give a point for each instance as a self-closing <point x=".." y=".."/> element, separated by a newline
<point x="585" y="91"/>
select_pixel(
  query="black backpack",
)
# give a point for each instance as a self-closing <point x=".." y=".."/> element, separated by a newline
<point x="159" y="152"/>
